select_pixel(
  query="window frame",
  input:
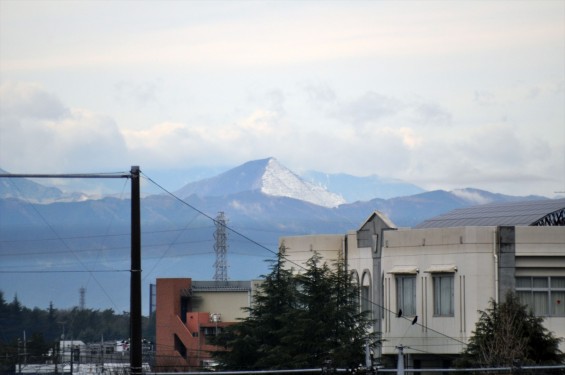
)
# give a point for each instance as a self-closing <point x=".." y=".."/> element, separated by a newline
<point x="438" y="284"/>
<point x="365" y="293"/>
<point x="400" y="279"/>
<point x="548" y="291"/>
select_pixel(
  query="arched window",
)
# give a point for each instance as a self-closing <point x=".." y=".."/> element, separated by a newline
<point x="355" y="283"/>
<point x="366" y="301"/>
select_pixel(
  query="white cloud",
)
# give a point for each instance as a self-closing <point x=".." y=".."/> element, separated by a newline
<point x="443" y="94"/>
<point x="296" y="33"/>
<point x="38" y="133"/>
<point x="28" y="100"/>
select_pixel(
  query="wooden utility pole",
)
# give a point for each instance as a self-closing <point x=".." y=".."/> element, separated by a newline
<point x="135" y="288"/>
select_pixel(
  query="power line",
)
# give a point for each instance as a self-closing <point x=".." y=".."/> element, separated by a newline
<point x="64" y="271"/>
<point x="99" y="175"/>
<point x="208" y="216"/>
<point x="67" y="175"/>
<point x="188" y="205"/>
<point x="284" y="256"/>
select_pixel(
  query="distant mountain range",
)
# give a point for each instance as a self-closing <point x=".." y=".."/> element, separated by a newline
<point x="354" y="188"/>
<point x="22" y="188"/>
<point x="267" y="176"/>
<point x="52" y="243"/>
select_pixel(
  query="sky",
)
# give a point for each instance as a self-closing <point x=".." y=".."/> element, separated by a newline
<point x="442" y="94"/>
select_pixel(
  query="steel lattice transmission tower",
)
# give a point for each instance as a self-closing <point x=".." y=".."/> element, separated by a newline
<point x="82" y="292"/>
<point x="221" y="248"/>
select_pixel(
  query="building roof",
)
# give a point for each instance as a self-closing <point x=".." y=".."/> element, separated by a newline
<point x="220" y="286"/>
<point x="524" y="213"/>
<point x="385" y="219"/>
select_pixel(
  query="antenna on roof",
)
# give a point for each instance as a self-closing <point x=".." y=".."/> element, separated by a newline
<point x="221" y="248"/>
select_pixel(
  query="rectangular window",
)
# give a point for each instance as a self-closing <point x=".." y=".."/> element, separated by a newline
<point x="406" y="294"/>
<point x="545" y="295"/>
<point x="443" y="295"/>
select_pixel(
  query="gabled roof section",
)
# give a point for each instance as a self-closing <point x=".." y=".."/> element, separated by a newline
<point x="549" y="212"/>
<point x="386" y="221"/>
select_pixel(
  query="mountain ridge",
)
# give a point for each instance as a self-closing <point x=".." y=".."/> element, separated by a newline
<point x="271" y="178"/>
<point x="265" y="175"/>
<point x="78" y="238"/>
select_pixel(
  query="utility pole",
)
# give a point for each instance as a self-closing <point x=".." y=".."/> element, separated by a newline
<point x="368" y="361"/>
<point x="25" y="348"/>
<point x="400" y="362"/>
<point x="135" y="288"/>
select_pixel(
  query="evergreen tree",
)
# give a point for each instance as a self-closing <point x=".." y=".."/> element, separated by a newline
<point x="299" y="321"/>
<point x="507" y="334"/>
<point x="256" y="342"/>
<point x="312" y="335"/>
<point x="352" y="326"/>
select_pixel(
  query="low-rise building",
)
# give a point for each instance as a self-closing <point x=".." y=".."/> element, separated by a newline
<point x="188" y="313"/>
<point x="428" y="283"/>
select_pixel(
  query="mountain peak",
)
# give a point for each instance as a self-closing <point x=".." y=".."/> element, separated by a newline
<point x="277" y="180"/>
<point x="267" y="176"/>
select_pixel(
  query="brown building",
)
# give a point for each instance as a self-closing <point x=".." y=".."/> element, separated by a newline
<point x="189" y="312"/>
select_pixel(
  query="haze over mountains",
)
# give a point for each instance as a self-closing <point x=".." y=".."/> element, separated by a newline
<point x="52" y="242"/>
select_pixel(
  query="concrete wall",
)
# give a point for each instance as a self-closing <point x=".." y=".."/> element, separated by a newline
<point x="228" y="304"/>
<point x="471" y="251"/>
<point x="540" y="251"/>
<point x="487" y="261"/>
<point x="301" y="248"/>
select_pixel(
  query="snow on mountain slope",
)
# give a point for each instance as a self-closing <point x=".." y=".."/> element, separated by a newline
<point x="280" y="181"/>
<point x="267" y="176"/>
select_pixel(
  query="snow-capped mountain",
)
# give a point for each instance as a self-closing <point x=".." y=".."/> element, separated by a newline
<point x="267" y="176"/>
<point x="261" y="199"/>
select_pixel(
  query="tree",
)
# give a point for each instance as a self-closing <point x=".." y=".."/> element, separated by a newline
<point x="255" y="342"/>
<point x="313" y="324"/>
<point x="299" y="321"/>
<point x="352" y="325"/>
<point x="508" y="334"/>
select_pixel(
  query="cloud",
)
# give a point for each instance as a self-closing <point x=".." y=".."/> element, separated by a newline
<point x="370" y="134"/>
<point x="140" y="94"/>
<point x="320" y="94"/>
<point x="429" y="113"/>
<point x="175" y="143"/>
<point x="28" y="100"/>
<point x="492" y="156"/>
<point x="373" y="108"/>
<point x="368" y="108"/>
<point x="38" y="133"/>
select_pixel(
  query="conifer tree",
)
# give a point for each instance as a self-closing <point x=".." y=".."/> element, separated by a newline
<point x="508" y="334"/>
<point x="307" y="320"/>
<point x="312" y="335"/>
<point x="256" y="342"/>
<point x="352" y="325"/>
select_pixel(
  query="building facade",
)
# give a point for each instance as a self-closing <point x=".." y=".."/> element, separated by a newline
<point x="426" y="285"/>
<point x="445" y="276"/>
<point x="362" y="250"/>
<point x="188" y="313"/>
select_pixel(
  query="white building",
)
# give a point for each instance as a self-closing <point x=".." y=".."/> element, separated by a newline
<point x="426" y="285"/>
